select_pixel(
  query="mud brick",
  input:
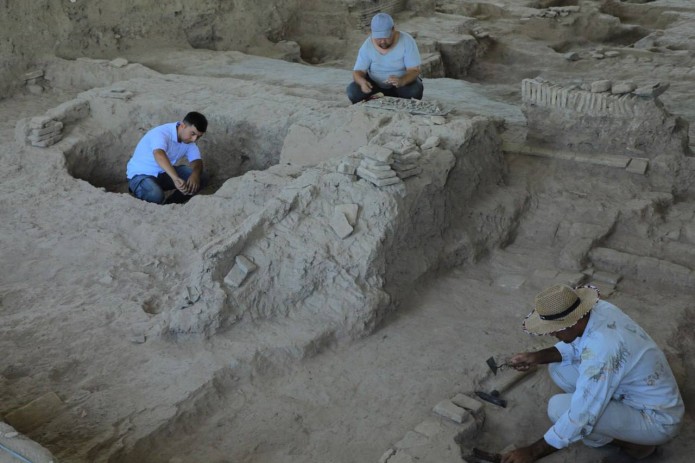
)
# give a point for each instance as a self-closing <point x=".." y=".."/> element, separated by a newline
<point x="448" y="409"/>
<point x="377" y="153"/>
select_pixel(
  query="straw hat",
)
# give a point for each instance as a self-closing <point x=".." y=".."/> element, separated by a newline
<point x="559" y="307"/>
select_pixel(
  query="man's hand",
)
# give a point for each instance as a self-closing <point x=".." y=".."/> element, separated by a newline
<point x="523" y="361"/>
<point x="180" y="184"/>
<point x="365" y="86"/>
<point x="533" y="452"/>
<point x="522" y="455"/>
<point x="192" y="185"/>
<point x="393" y="80"/>
<point x="526" y="360"/>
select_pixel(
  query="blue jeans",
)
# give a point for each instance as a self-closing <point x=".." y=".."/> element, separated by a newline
<point x="151" y="189"/>
<point x="413" y="90"/>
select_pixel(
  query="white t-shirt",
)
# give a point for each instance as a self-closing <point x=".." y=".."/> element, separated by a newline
<point x="394" y="63"/>
<point x="165" y="138"/>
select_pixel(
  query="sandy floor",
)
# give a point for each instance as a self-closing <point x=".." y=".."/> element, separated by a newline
<point x="78" y="278"/>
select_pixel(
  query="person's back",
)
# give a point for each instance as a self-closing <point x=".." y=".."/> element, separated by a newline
<point x="646" y="380"/>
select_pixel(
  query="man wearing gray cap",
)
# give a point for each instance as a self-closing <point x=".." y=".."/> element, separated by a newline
<point x="618" y="386"/>
<point x="388" y="62"/>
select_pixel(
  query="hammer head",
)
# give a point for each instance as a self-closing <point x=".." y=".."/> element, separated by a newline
<point x="492" y="364"/>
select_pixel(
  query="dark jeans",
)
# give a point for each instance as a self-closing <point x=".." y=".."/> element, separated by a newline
<point x="151" y="189"/>
<point x="413" y="90"/>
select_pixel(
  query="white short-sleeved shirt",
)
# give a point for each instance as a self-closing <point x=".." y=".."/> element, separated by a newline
<point x="165" y="138"/>
<point x="394" y="63"/>
<point x="617" y="360"/>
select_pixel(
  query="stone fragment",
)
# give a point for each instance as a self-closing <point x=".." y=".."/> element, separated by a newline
<point x="40" y="122"/>
<point x="48" y="141"/>
<point x="570" y="278"/>
<point x="623" y="87"/>
<point x="350" y="211"/>
<point x="450" y="410"/>
<point x="378" y="174"/>
<point x="11" y="435"/>
<point x="403" y="174"/>
<point x="120" y="95"/>
<point x="34" y="74"/>
<point x="377" y="153"/>
<point x="34" y="137"/>
<point x="596" y="55"/>
<point x="51" y="127"/>
<point x="35" y="89"/>
<point x="638" y="166"/>
<point x="401" y="166"/>
<point x="601" y="86"/>
<point x="612" y="54"/>
<point x="431" y="142"/>
<point x="607" y="277"/>
<point x="410" y="156"/>
<point x="347" y="168"/>
<point x="70" y="111"/>
<point x="430" y="427"/>
<point x="241" y="269"/>
<point x="571" y="56"/>
<point x="401" y="147"/>
<point x="35" y="413"/>
<point x="438" y="120"/>
<point x="367" y="175"/>
<point x="340" y="225"/>
<point x="410" y="440"/>
<point x="386" y="455"/>
<point x="245" y="264"/>
<point x="118" y="62"/>
<point x="375" y="166"/>
<point x="468" y="403"/>
<point x="138" y="339"/>
<point x="510" y="281"/>
<point x="605" y="289"/>
<point x="401" y="457"/>
<point x="653" y="90"/>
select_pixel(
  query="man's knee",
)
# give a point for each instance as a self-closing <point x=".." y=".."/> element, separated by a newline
<point x="558" y="405"/>
<point x="565" y="376"/>
<point x="148" y="189"/>
<point x="354" y="93"/>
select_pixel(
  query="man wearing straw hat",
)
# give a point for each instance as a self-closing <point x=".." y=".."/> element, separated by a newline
<point x="388" y="62"/>
<point x="618" y="386"/>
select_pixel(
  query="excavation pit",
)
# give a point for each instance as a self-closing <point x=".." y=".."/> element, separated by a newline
<point x="101" y="151"/>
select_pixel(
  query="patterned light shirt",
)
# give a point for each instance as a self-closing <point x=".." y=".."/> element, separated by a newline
<point x="617" y="360"/>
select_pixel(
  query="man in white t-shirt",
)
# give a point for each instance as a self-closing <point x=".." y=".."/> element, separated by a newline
<point x="388" y="62"/>
<point x="152" y="169"/>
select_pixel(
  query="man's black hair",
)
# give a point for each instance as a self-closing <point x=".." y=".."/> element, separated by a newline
<point x="197" y="120"/>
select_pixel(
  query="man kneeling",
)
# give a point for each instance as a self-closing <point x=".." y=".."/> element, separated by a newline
<point x="152" y="169"/>
<point x="618" y="386"/>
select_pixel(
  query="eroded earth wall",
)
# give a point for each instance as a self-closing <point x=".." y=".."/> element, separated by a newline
<point x="75" y="28"/>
